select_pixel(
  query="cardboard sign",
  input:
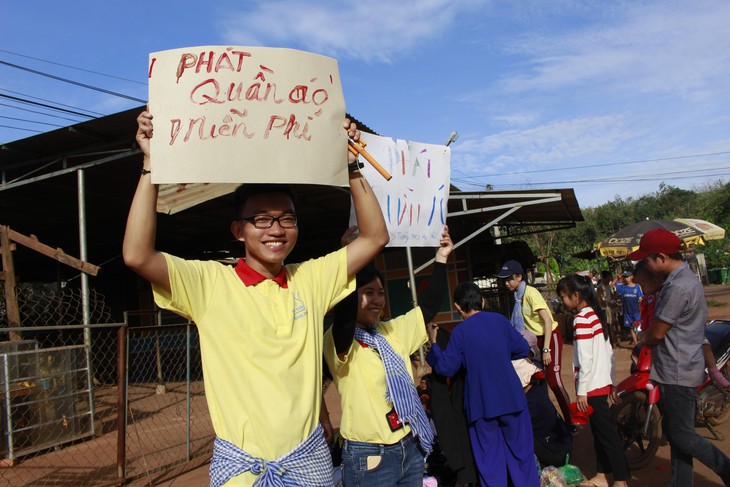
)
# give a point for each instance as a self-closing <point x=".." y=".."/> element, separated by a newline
<point x="226" y="114"/>
<point x="414" y="202"/>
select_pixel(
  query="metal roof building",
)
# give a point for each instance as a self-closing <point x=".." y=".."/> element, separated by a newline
<point x="72" y="188"/>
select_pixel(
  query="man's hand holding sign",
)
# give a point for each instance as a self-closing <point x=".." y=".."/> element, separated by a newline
<point x="264" y="116"/>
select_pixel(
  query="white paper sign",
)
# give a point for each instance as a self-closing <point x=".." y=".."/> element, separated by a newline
<point x="414" y="201"/>
<point x="225" y="114"/>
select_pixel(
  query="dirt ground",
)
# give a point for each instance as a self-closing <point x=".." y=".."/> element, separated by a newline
<point x="719" y="294"/>
<point x="655" y="474"/>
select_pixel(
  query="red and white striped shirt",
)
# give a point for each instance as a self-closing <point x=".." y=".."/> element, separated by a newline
<point x="592" y="355"/>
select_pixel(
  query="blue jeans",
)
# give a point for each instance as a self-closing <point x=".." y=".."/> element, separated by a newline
<point x="678" y="404"/>
<point x="371" y="464"/>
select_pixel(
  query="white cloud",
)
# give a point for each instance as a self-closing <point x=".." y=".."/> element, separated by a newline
<point x="517" y="119"/>
<point x="666" y="47"/>
<point x="545" y="145"/>
<point x="373" y="31"/>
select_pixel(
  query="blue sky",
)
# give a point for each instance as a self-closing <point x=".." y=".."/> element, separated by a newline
<point x="609" y="98"/>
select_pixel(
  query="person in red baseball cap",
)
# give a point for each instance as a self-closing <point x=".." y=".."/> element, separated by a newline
<point x="658" y="241"/>
<point x="678" y="366"/>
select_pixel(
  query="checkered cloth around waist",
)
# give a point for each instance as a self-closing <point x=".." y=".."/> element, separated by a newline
<point x="308" y="464"/>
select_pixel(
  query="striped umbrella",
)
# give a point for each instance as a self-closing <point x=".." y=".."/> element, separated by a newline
<point x="626" y="240"/>
<point x="710" y="231"/>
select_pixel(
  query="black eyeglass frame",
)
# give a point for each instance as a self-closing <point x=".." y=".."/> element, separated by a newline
<point x="272" y="219"/>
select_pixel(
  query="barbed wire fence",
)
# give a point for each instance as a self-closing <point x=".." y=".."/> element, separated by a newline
<point x="65" y="388"/>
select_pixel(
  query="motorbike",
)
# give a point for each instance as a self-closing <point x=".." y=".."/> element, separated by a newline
<point x="637" y="413"/>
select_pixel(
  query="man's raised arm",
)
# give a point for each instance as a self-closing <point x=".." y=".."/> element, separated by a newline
<point x="373" y="235"/>
<point x="138" y="249"/>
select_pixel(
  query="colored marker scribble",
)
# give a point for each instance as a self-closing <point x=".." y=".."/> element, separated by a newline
<point x="388" y="209"/>
<point x="433" y="209"/>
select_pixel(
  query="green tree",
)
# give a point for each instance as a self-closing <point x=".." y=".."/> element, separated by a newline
<point x="711" y="203"/>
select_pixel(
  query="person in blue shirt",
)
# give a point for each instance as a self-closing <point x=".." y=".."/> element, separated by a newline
<point x="485" y="344"/>
<point x="631" y="295"/>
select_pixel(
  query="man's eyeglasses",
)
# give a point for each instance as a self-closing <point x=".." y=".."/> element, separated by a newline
<point x="263" y="222"/>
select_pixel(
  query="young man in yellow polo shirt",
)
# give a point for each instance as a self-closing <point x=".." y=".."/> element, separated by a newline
<point x="260" y="324"/>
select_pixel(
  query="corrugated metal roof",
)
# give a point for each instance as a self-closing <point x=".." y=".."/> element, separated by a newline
<point x="39" y="195"/>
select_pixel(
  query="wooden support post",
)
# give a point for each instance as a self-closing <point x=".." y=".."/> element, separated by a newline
<point x="11" y="297"/>
<point x="57" y="254"/>
<point x="12" y="248"/>
<point x="7" y="237"/>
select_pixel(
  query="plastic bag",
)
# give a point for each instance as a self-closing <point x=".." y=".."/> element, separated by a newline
<point x="565" y="476"/>
<point x="571" y="474"/>
<point x="552" y="477"/>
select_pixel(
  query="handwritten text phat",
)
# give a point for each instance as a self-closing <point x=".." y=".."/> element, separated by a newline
<point x="257" y="85"/>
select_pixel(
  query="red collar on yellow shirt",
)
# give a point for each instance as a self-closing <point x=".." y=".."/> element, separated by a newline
<point x="251" y="277"/>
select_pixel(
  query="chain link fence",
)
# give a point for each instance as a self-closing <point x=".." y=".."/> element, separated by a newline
<point x="168" y="420"/>
<point x="64" y="385"/>
<point x="42" y="304"/>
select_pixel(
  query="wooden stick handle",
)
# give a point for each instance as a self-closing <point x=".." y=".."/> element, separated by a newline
<point x="358" y="148"/>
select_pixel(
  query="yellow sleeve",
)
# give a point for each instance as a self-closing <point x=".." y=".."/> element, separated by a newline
<point x="408" y="331"/>
<point x="191" y="286"/>
<point x="534" y="299"/>
<point x="330" y="353"/>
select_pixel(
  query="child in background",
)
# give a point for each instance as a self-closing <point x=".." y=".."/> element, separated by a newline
<point x="650" y="284"/>
<point x="631" y="296"/>
<point x="593" y="362"/>
<point x="607" y="300"/>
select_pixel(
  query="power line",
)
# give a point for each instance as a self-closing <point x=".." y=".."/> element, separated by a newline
<point x="626" y="177"/>
<point x="37" y="112"/>
<point x="591" y="166"/>
<point x="603" y="181"/>
<point x="19" y="128"/>
<point x="642" y="176"/>
<point x="65" y="80"/>
<point x="30" y="121"/>
<point x="52" y="101"/>
<point x="612" y="180"/>
<point x="51" y="107"/>
<point x="74" y="67"/>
